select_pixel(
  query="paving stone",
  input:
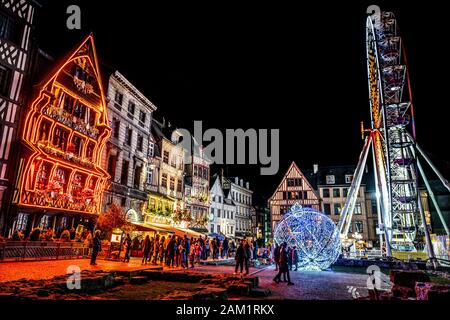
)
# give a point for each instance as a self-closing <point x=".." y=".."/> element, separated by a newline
<point x="138" y="280"/>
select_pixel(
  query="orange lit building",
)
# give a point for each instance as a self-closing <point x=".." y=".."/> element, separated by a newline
<point x="60" y="179"/>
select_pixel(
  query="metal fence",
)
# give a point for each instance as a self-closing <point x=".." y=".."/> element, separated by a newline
<point x="41" y="250"/>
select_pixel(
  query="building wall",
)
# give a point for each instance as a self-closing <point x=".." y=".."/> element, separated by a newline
<point x="222" y="214"/>
<point x="129" y="143"/>
<point x="17" y="18"/>
<point x="242" y="198"/>
<point x="294" y="187"/>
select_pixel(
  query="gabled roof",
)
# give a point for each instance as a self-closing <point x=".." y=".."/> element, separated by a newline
<point x="292" y="167"/>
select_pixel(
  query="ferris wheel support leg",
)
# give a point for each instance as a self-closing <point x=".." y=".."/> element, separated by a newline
<point x="440" y="176"/>
<point x="433" y="198"/>
<point x="430" y="250"/>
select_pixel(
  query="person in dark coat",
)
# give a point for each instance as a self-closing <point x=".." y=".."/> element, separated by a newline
<point x="283" y="268"/>
<point x="248" y="255"/>
<point x="146" y="246"/>
<point x="128" y="244"/>
<point x="276" y="256"/>
<point x="295" y="257"/>
<point x="225" y="247"/>
<point x="240" y="257"/>
<point x="289" y="253"/>
<point x="96" y="247"/>
<point x="171" y="252"/>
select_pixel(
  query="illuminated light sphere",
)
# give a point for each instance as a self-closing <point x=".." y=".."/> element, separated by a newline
<point x="314" y="235"/>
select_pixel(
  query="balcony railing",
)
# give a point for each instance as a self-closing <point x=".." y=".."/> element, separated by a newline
<point x="57" y="201"/>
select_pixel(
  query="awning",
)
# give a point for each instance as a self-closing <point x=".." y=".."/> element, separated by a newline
<point x="149" y="227"/>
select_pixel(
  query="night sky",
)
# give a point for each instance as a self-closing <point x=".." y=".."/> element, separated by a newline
<point x="299" y="69"/>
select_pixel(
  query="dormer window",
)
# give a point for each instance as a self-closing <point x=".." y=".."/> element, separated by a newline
<point x="330" y="179"/>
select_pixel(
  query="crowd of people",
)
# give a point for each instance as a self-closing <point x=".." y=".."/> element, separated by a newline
<point x="180" y="251"/>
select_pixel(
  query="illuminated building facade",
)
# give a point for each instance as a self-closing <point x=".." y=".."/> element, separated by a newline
<point x="17" y="20"/>
<point x="60" y="179"/>
<point x="197" y="194"/>
<point x="128" y="154"/>
<point x="166" y="201"/>
<point x="222" y="212"/>
<point x="293" y="188"/>
<point x="242" y="198"/>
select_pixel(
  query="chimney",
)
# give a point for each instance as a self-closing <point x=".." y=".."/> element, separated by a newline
<point x="242" y="182"/>
<point x="247" y="185"/>
<point x="236" y="180"/>
<point x="315" y="168"/>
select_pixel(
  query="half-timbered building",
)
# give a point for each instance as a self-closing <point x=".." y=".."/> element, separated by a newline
<point x="17" y="18"/>
<point x="60" y="178"/>
<point x="294" y="187"/>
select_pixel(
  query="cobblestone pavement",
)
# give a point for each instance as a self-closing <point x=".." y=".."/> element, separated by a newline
<point x="37" y="270"/>
<point x="319" y="285"/>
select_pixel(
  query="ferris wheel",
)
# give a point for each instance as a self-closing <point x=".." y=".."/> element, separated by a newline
<point x="392" y="139"/>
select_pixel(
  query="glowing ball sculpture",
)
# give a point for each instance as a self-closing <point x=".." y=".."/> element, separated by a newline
<point x="314" y="235"/>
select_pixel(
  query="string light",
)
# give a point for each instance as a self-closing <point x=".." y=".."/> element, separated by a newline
<point x="314" y="236"/>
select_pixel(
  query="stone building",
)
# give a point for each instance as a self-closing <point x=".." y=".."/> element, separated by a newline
<point x="222" y="216"/>
<point x="128" y="153"/>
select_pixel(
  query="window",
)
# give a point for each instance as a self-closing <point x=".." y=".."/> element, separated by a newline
<point x="329" y="179"/>
<point x="212" y="228"/>
<point x="118" y="98"/>
<point x="231" y="229"/>
<point x="5" y="78"/>
<point x="212" y="210"/>
<point x="128" y="136"/>
<point x="294" y="182"/>
<point x="358" y="209"/>
<point x="327" y="208"/>
<point x="137" y="177"/>
<point x="60" y="138"/>
<point x="44" y="223"/>
<point x="172" y="183"/>
<point x="218" y="213"/>
<point x="179" y="185"/>
<point x="336" y="192"/>
<point x="151" y="149"/>
<point x="22" y="220"/>
<point x="142" y="118"/>
<point x="218" y="228"/>
<point x="166" y="157"/>
<point x="359" y="226"/>
<point x="10" y="30"/>
<point x="140" y="142"/>
<point x="124" y="175"/>
<point x="123" y="201"/>
<point x="164" y="180"/>
<point x="131" y="109"/>
<point x="348" y="178"/>
<point x="345" y="191"/>
<point x="231" y="215"/>
<point x="337" y="209"/>
<point x="149" y="176"/>
<point x="116" y="128"/>
<point x="305" y="195"/>
<point x="326" y="193"/>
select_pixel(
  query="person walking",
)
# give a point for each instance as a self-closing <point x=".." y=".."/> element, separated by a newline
<point x="155" y="250"/>
<point x="146" y="249"/>
<point x="127" y="243"/>
<point x="161" y="250"/>
<point x="289" y="253"/>
<point x="295" y="257"/>
<point x="283" y="267"/>
<point x="96" y="247"/>
<point x="248" y="256"/>
<point x="170" y="252"/>
<point x="213" y="247"/>
<point x="192" y="251"/>
<point x="276" y="256"/>
<point x="225" y="247"/>
<point x="240" y="257"/>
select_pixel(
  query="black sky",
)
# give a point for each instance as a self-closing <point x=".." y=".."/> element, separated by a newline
<point x="299" y="69"/>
